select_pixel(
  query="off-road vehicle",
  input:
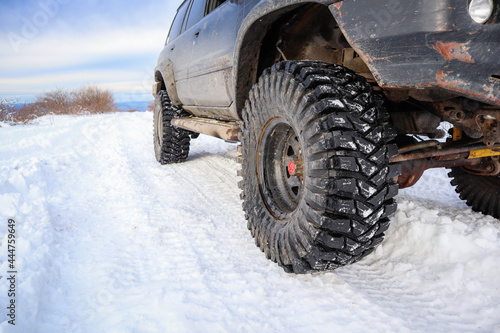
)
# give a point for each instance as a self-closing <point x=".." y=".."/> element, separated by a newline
<point x="336" y="104"/>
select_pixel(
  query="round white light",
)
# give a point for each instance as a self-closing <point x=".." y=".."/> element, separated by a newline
<point x="480" y="10"/>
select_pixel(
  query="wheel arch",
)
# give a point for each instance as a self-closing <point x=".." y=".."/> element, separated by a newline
<point x="304" y="30"/>
<point x="159" y="83"/>
<point x="164" y="80"/>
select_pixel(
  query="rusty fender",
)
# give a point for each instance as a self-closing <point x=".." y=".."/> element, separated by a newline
<point x="424" y="44"/>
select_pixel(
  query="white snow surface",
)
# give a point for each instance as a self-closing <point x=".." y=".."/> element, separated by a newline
<point x="108" y="240"/>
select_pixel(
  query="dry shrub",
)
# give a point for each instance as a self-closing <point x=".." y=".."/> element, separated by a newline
<point x="151" y="106"/>
<point x="84" y="100"/>
<point x="27" y="113"/>
<point x="93" y="100"/>
<point x="58" y="101"/>
<point x="7" y="109"/>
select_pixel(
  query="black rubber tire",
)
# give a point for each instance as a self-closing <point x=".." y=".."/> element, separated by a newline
<point x="347" y="187"/>
<point x="171" y="144"/>
<point x="481" y="193"/>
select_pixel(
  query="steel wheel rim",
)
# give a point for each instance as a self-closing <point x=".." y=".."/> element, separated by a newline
<point x="159" y="124"/>
<point x="279" y="168"/>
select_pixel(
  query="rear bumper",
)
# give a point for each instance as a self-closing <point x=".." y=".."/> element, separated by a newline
<point x="424" y="44"/>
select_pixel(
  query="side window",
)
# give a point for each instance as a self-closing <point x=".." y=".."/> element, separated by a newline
<point x="212" y="4"/>
<point x="175" y="29"/>
<point x="196" y="13"/>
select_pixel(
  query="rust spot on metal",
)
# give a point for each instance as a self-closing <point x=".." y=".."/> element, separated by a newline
<point x="488" y="89"/>
<point x="412" y="171"/>
<point x="462" y="86"/>
<point x="338" y="5"/>
<point x="453" y="50"/>
<point x="232" y="134"/>
<point x="441" y="76"/>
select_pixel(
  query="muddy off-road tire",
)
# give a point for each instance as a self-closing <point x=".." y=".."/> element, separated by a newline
<point x="316" y="188"/>
<point x="482" y="193"/>
<point x="171" y="143"/>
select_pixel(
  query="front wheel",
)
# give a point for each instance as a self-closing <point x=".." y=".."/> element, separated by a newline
<point x="317" y="185"/>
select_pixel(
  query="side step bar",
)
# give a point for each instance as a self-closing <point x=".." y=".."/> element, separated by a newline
<point x="225" y="130"/>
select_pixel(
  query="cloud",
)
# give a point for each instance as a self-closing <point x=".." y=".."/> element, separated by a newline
<point x="120" y="60"/>
<point x="114" y="44"/>
<point x="61" y="50"/>
<point x="114" y="80"/>
<point x="75" y="15"/>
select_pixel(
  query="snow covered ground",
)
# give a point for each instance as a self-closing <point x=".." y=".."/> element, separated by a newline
<point x="108" y="240"/>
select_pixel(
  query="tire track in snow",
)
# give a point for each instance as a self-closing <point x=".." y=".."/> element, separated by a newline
<point x="186" y="260"/>
<point x="423" y="283"/>
<point x="210" y="180"/>
<point x="218" y="178"/>
<point x="191" y="243"/>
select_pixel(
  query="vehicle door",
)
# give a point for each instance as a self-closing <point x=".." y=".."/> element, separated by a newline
<point x="213" y="26"/>
<point x="178" y="47"/>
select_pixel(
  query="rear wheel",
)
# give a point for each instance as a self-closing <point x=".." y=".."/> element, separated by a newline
<point x="171" y="143"/>
<point x="481" y="193"/>
<point x="317" y="184"/>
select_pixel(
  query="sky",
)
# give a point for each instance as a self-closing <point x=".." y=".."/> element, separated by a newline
<point x="51" y="44"/>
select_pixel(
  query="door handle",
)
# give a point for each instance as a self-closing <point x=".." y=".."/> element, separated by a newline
<point x="197" y="34"/>
<point x="172" y="48"/>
